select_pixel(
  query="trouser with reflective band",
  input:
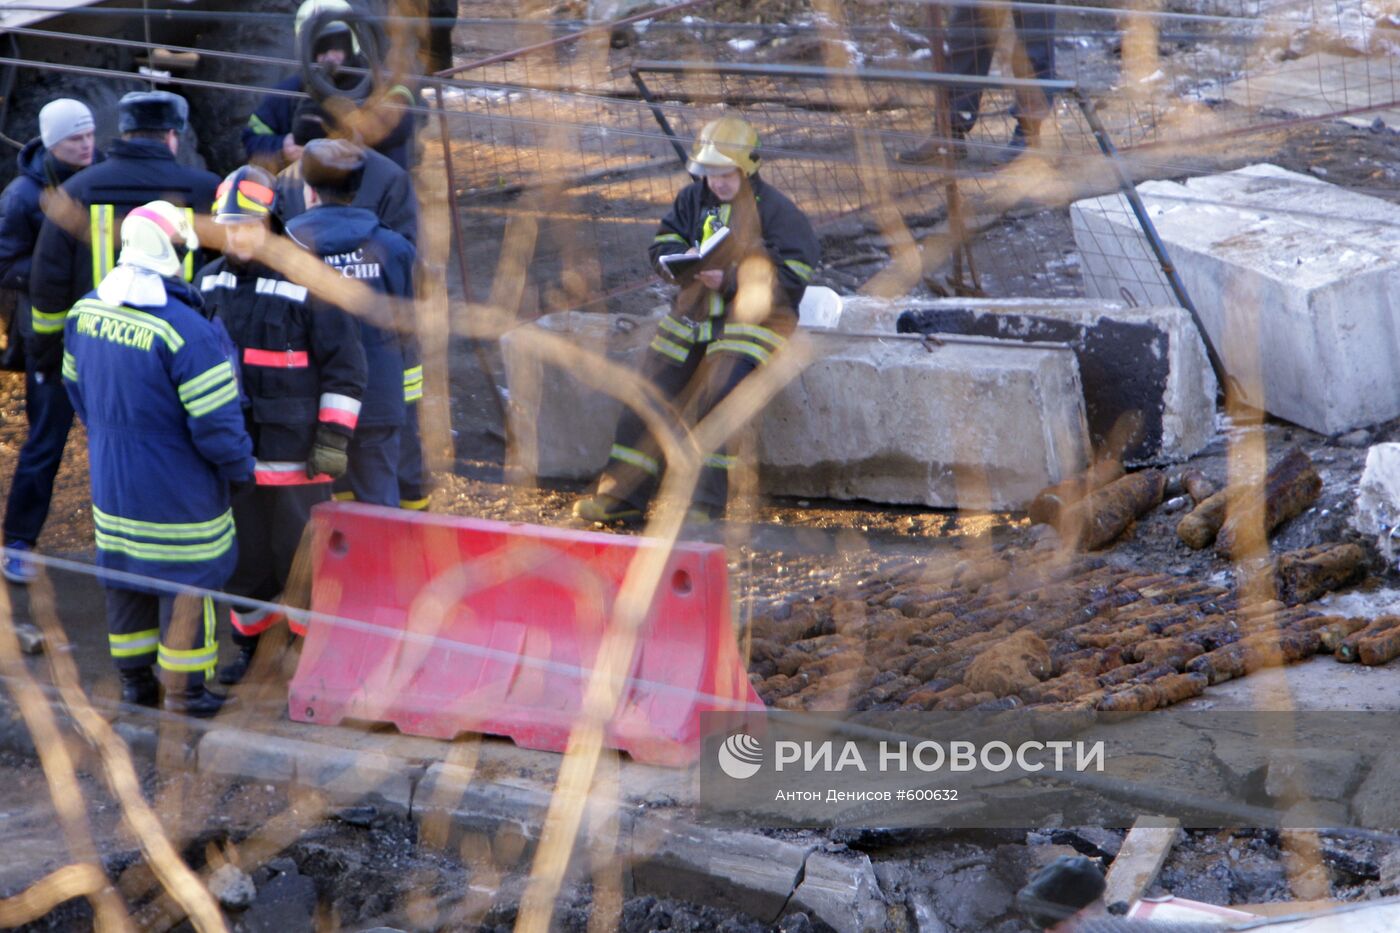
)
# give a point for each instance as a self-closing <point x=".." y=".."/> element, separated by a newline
<point x="695" y="366"/>
<point x="271" y="521"/>
<point x="50" y="417"/>
<point x="373" y="475"/>
<point x="175" y="632"/>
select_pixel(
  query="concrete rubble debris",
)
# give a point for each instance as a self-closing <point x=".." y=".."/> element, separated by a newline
<point x="1292" y="278"/>
<point x="1060" y="890"/>
<point x="232" y="887"/>
<point x="868" y="419"/>
<point x="1377" y="512"/>
<point x="1149" y="391"/>
<point x="31" y="639"/>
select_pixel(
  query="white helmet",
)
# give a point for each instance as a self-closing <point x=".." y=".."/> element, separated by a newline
<point x="156" y="236"/>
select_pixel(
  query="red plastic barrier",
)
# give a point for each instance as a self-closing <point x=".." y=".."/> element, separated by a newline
<point x="481" y="626"/>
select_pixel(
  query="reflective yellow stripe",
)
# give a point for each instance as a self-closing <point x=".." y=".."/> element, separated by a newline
<point x="713" y="222"/>
<point x="673" y="350"/>
<point x="412" y="374"/>
<point x="214" y="375"/>
<point x="70" y="367"/>
<point x="169" y="553"/>
<point x="187" y="662"/>
<point x="259" y="128"/>
<point x="102" y="220"/>
<point x="346" y="496"/>
<point x="716" y="305"/>
<point x="755" y="332"/>
<point x="133" y="644"/>
<point x="208" y="403"/>
<point x="401" y="91"/>
<point x="743" y="347"/>
<point x="45" y="322"/>
<point x="705" y="332"/>
<point x="636" y="458"/>
<point x="169" y="334"/>
<point x="676" y="329"/>
<point x="414" y="394"/>
<point x="721" y="461"/>
<point x="803" y="271"/>
<point x="669" y="238"/>
<point x="414" y="505"/>
<point x="170" y="531"/>
<point x="189" y="253"/>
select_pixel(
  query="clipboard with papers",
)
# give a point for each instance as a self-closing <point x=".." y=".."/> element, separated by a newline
<point x="679" y="265"/>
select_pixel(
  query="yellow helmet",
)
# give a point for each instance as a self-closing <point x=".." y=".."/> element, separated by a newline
<point x="724" y="145"/>
<point x="310" y="8"/>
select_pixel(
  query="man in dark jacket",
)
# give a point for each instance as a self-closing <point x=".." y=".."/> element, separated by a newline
<point x="303" y="374"/>
<point x="151" y="379"/>
<point x="268" y="138"/>
<point x="729" y="225"/>
<point x="353" y="241"/>
<point x="387" y="190"/>
<point x="64" y="146"/>
<point x="75" y="250"/>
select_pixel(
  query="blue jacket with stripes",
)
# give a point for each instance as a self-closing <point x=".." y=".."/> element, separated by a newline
<point x="159" y="396"/>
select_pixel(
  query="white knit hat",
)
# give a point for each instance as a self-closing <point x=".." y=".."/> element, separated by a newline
<point x="62" y="118"/>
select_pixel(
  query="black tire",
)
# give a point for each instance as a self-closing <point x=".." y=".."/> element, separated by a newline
<point x="368" y="35"/>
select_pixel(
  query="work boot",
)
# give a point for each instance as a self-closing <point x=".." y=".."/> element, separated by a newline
<point x="606" y="510"/>
<point x="199" y="702"/>
<point x="699" y="514"/>
<point x="934" y="150"/>
<point x="1025" y="136"/>
<point x="237" y="669"/>
<point x="139" y="686"/>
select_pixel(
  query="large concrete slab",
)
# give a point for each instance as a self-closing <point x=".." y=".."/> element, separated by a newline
<point x="1148" y="387"/>
<point x="1293" y="278"/>
<point x="970" y="423"/>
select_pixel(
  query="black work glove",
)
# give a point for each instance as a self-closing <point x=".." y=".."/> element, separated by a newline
<point x="328" y="454"/>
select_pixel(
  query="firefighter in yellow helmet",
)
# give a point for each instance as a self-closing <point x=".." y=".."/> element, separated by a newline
<point x="741" y="254"/>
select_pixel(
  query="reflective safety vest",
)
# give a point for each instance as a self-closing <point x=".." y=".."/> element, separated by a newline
<point x="104" y="229"/>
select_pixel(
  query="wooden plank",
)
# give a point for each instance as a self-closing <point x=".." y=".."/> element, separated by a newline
<point x="1144" y="851"/>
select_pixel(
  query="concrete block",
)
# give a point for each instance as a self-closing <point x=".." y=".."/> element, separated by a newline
<point x="1378" y="498"/>
<point x="1144" y="370"/>
<point x="1293" y="279"/>
<point x="969" y="424"/>
<point x="979" y="424"/>
<point x="1327" y="774"/>
<point x="561" y="427"/>
<point x="343" y="775"/>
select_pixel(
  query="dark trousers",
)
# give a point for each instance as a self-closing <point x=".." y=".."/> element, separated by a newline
<point x="175" y="632"/>
<point x="270" y="521"/>
<point x="972" y="37"/>
<point x="373" y="475"/>
<point x="695" y="372"/>
<point x="414" y="482"/>
<point x="50" y="415"/>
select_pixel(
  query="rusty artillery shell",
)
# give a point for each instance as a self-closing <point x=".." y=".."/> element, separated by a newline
<point x="1197" y="486"/>
<point x="1052" y="501"/>
<point x="1174" y="652"/>
<point x="1305" y="575"/>
<point x="1178" y="687"/>
<point x="1334" y="633"/>
<point x="1349" y="650"/>
<point x="1136" y="699"/>
<point x="1199" y="527"/>
<point x="1105" y="514"/>
<point x="1378" y="649"/>
<point x="1290" y="488"/>
<point x="965" y="701"/>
